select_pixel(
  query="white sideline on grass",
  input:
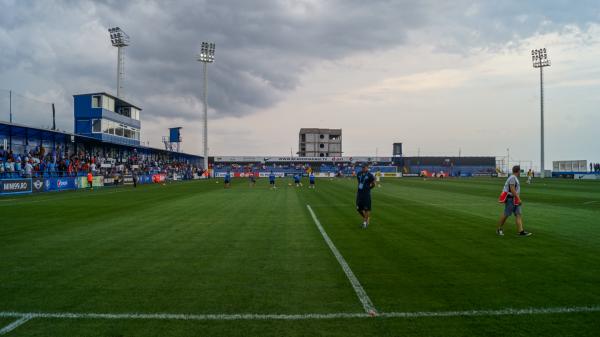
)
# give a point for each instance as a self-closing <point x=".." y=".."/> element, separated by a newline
<point x="25" y="316"/>
<point x="360" y="291"/>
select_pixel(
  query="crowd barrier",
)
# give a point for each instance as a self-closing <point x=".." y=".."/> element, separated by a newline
<point x="12" y="186"/>
<point x="266" y="174"/>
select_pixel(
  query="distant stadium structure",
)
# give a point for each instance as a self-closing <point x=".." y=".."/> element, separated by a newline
<point x="107" y="118"/>
<point x="450" y="166"/>
<point x="314" y="142"/>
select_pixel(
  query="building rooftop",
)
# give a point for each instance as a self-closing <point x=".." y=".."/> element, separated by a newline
<point x="117" y="99"/>
<point x="318" y="130"/>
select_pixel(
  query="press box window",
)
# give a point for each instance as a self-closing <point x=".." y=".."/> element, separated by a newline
<point x="97" y="101"/>
<point x="96" y="125"/>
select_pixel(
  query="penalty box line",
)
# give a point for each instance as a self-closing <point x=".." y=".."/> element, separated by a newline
<point x="358" y="288"/>
<point x="22" y="319"/>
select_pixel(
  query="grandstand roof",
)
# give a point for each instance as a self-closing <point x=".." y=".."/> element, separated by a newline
<point x="4" y="125"/>
<point x="111" y="96"/>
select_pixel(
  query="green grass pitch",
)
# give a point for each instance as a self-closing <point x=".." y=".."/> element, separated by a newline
<point x="199" y="249"/>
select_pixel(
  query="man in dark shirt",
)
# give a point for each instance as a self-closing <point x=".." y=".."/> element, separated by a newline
<point x="366" y="181"/>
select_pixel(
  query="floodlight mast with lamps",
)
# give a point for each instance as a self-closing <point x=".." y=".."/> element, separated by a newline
<point x="539" y="57"/>
<point x="119" y="39"/>
<point x="207" y="55"/>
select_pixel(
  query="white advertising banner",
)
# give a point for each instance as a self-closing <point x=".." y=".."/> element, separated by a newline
<point x="262" y="159"/>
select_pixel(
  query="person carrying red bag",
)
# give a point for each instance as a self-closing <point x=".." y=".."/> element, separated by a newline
<point x="511" y="199"/>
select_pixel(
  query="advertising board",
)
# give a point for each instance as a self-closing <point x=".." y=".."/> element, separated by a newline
<point x="15" y="186"/>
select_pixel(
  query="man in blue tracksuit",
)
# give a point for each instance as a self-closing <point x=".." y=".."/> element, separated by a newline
<point x="272" y="179"/>
<point x="311" y="180"/>
<point x="366" y="181"/>
<point x="297" y="179"/>
<point x="227" y="180"/>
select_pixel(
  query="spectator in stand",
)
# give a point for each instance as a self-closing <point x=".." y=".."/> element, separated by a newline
<point x="28" y="169"/>
<point x="18" y="166"/>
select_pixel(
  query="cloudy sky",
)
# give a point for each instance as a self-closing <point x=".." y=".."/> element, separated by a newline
<point x="439" y="76"/>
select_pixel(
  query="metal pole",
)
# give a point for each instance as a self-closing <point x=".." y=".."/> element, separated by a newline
<point x="10" y="105"/>
<point x="118" y="71"/>
<point x="53" y="117"/>
<point x="508" y="160"/>
<point x="205" y="117"/>
<point x="542" y="173"/>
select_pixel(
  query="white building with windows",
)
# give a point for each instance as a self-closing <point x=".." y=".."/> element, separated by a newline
<point x="313" y="142"/>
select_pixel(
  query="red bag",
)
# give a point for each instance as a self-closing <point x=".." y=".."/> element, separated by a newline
<point x="517" y="201"/>
<point x="503" y="196"/>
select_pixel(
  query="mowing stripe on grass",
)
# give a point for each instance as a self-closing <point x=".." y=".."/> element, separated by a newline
<point x="24" y="317"/>
<point x="358" y="289"/>
<point x="15" y="324"/>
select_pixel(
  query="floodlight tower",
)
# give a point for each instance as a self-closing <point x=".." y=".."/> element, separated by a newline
<point x="207" y="55"/>
<point x="119" y="39"/>
<point x="540" y="60"/>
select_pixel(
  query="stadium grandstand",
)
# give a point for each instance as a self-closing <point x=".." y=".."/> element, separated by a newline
<point x="347" y="166"/>
<point x="450" y="166"/>
<point x="105" y="143"/>
<point x="284" y="166"/>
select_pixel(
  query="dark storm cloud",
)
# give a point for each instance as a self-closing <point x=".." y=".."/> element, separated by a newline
<point x="263" y="47"/>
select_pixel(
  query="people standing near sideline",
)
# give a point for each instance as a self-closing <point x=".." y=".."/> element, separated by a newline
<point x="134" y="176"/>
<point x="511" y="197"/>
<point x="90" y="180"/>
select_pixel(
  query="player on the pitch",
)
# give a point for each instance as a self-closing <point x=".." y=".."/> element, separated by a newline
<point x="378" y="178"/>
<point x="297" y="180"/>
<point x="511" y="197"/>
<point x="311" y="180"/>
<point x="227" y="180"/>
<point x="529" y="176"/>
<point x="366" y="181"/>
<point x="272" y="180"/>
<point x="252" y="179"/>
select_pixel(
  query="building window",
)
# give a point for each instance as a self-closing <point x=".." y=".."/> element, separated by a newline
<point x="321" y="136"/>
<point x="96" y="125"/>
<point x="322" y="145"/>
<point x="321" y="154"/>
<point x="96" y="101"/>
<point x="125" y="111"/>
<point x="107" y="103"/>
<point x="135" y="113"/>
